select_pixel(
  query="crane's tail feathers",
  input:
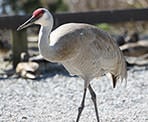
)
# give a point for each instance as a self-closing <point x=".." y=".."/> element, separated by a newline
<point x="123" y="71"/>
<point x="121" y="74"/>
<point x="114" y="79"/>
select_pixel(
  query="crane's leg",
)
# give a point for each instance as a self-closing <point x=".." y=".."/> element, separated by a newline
<point x="80" y="109"/>
<point x="93" y="97"/>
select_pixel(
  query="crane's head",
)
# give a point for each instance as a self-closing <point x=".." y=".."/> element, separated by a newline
<point x="40" y="16"/>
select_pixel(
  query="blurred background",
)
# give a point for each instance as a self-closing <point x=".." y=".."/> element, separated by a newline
<point x="122" y="32"/>
<point x="27" y="6"/>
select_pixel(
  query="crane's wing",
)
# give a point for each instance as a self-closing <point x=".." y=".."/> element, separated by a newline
<point x="74" y="40"/>
<point x="109" y="55"/>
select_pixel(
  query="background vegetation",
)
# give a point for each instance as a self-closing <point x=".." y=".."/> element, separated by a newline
<point x="28" y="6"/>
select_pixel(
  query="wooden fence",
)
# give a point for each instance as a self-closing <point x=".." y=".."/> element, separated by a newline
<point x="19" y="39"/>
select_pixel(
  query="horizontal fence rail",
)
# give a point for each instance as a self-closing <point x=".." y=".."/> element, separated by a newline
<point x="19" y="39"/>
<point x="93" y="17"/>
<point x="112" y="16"/>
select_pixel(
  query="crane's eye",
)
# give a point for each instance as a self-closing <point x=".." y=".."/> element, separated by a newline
<point x="38" y="13"/>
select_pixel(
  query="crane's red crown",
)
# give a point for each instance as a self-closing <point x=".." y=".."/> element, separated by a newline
<point x="38" y="13"/>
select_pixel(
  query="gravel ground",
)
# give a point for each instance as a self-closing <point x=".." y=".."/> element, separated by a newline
<point x="56" y="97"/>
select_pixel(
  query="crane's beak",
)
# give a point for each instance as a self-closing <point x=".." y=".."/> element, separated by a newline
<point x="27" y="23"/>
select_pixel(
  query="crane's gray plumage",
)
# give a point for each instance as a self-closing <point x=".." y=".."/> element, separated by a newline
<point x="87" y="51"/>
<point x="83" y="49"/>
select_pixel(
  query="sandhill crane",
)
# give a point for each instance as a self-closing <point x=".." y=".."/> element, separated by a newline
<point x="83" y="49"/>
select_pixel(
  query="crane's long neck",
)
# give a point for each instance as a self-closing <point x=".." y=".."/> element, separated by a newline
<point x="43" y="43"/>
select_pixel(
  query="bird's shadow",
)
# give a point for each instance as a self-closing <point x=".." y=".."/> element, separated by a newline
<point x="43" y="74"/>
<point x="60" y="70"/>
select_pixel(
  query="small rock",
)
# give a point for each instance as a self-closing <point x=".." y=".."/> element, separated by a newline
<point x="24" y="117"/>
